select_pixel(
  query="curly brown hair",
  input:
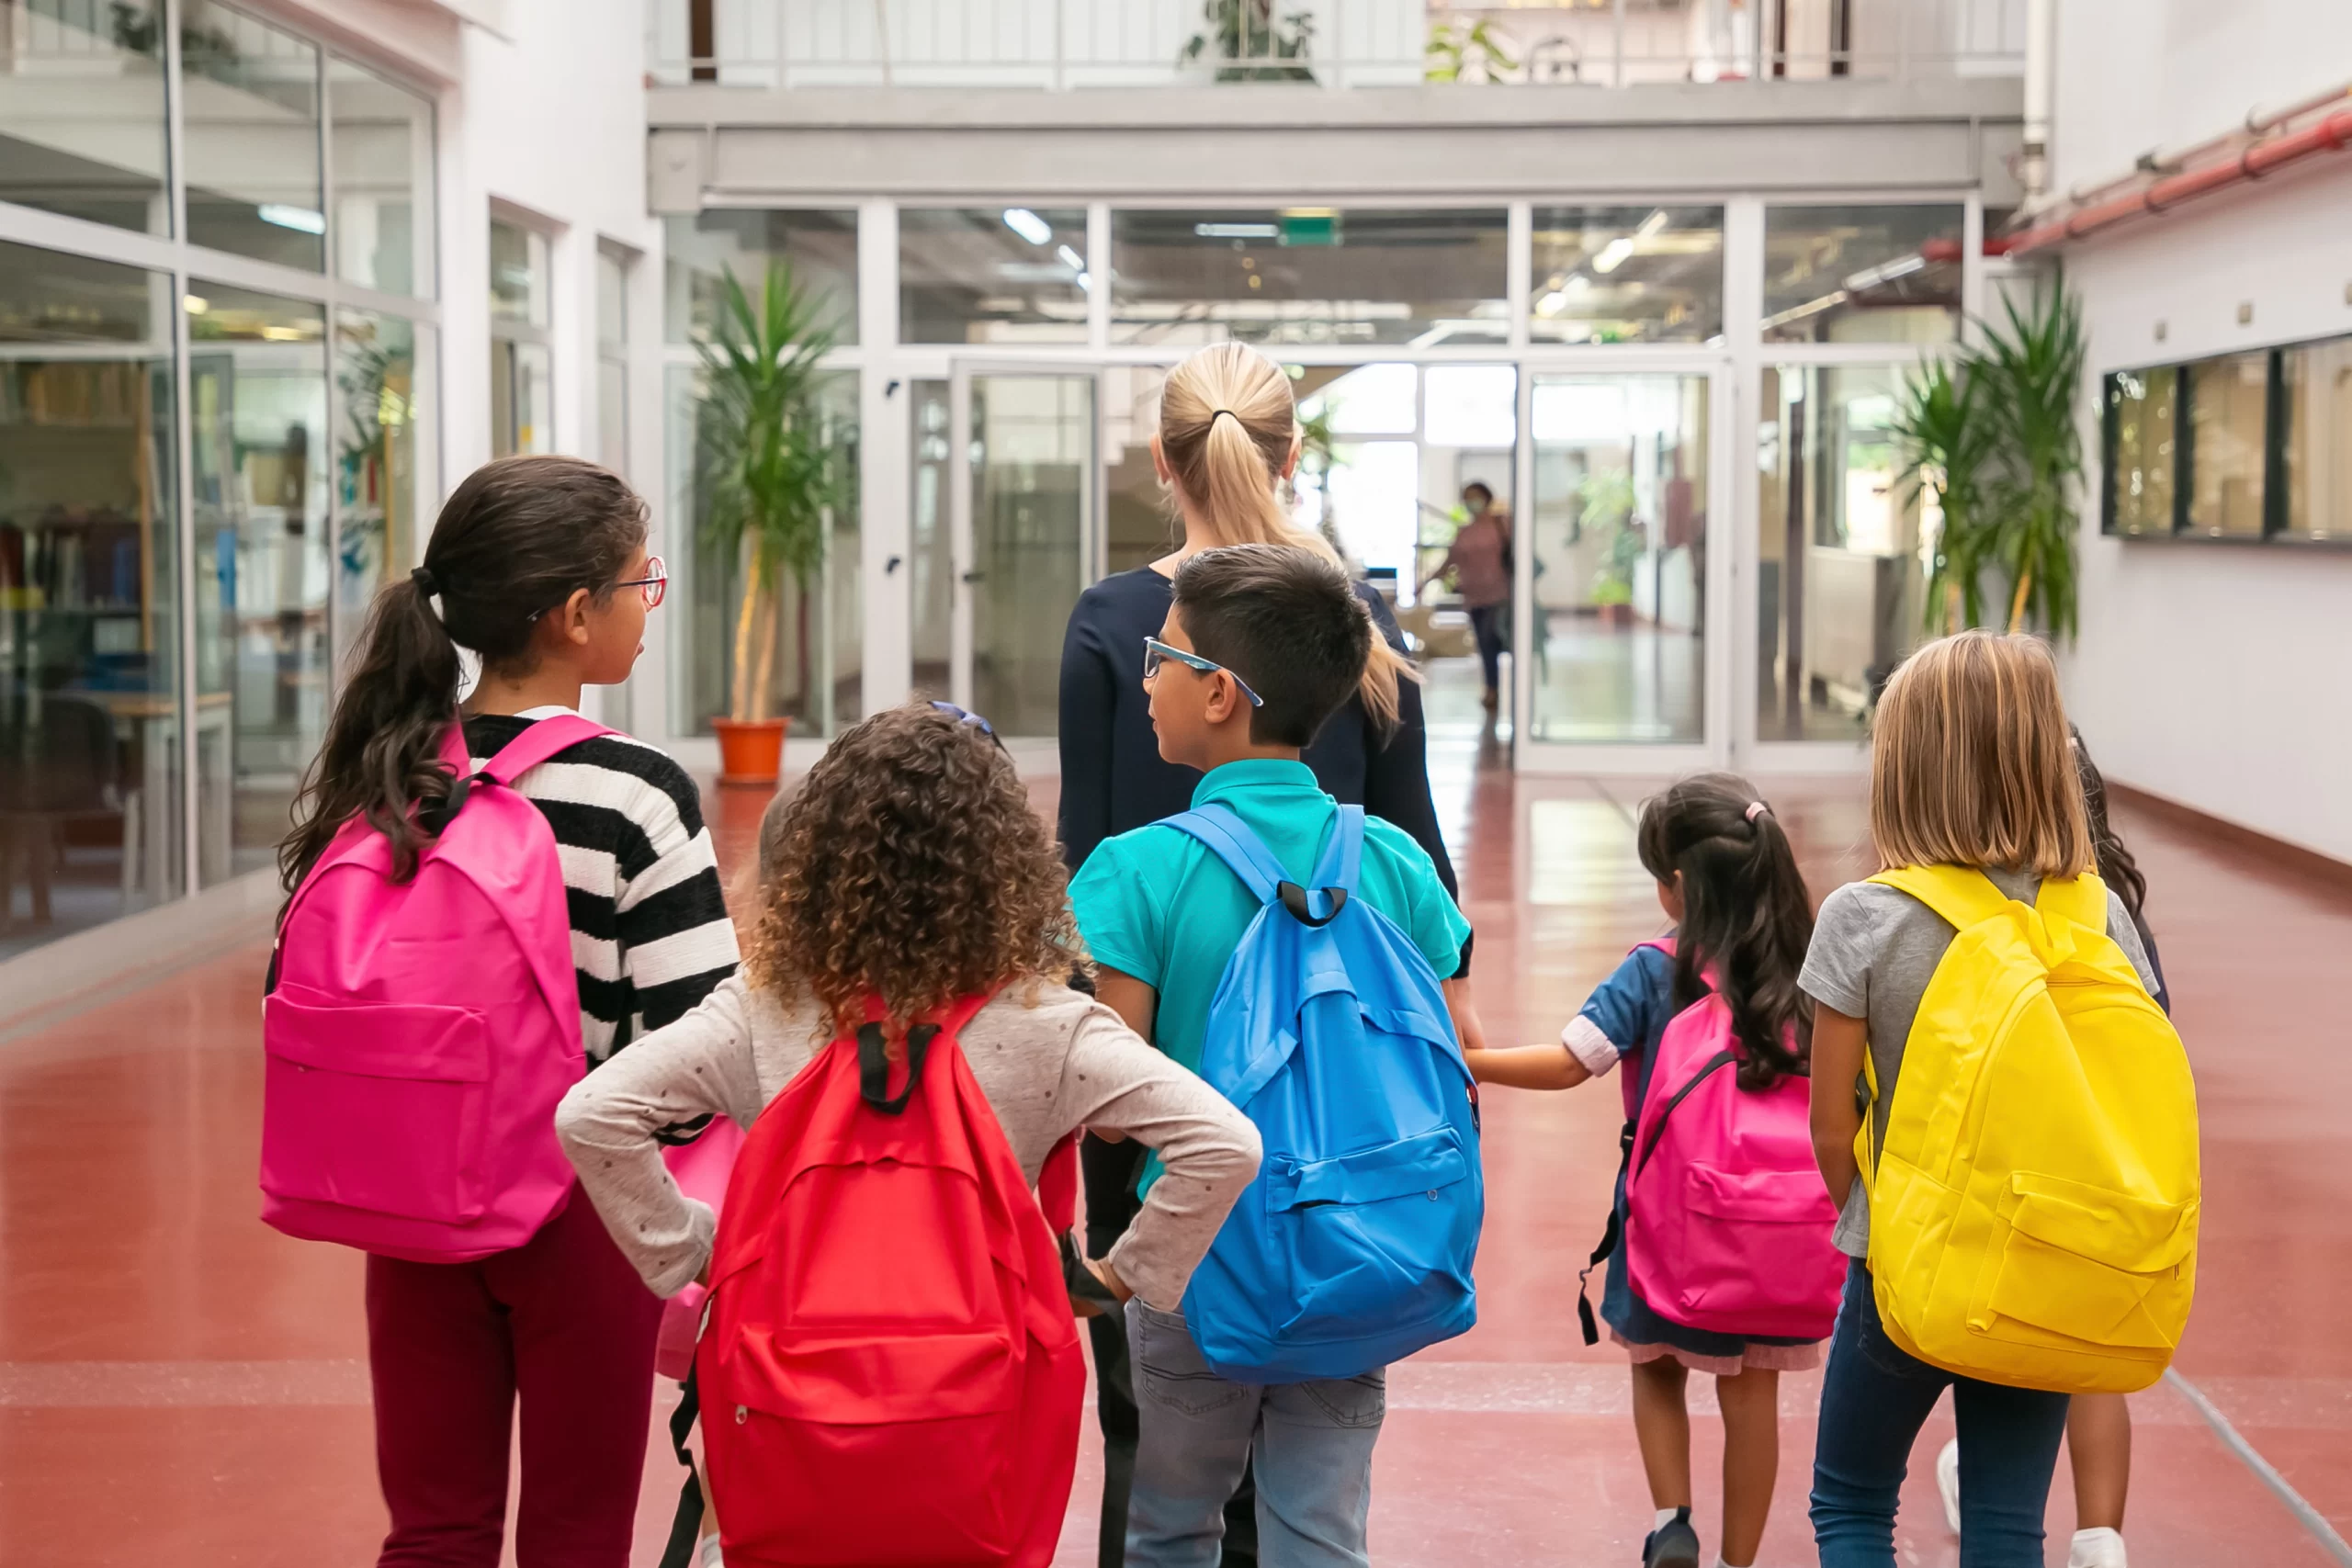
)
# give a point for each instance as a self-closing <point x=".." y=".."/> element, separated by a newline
<point x="911" y="866"/>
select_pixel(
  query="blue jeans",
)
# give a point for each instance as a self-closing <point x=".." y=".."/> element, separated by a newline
<point x="1487" y="625"/>
<point x="1874" y="1398"/>
<point x="1313" y="1456"/>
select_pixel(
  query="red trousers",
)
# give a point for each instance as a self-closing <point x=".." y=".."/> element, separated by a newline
<point x="562" y="1321"/>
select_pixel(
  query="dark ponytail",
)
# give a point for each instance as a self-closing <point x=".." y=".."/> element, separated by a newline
<point x="2115" y="867"/>
<point x="1744" y="914"/>
<point x="517" y="539"/>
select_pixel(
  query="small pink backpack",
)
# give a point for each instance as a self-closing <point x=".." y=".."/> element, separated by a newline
<point x="420" y="1033"/>
<point x="1728" y="1222"/>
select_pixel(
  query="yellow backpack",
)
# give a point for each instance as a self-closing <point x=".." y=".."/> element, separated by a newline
<point x="2033" y="1211"/>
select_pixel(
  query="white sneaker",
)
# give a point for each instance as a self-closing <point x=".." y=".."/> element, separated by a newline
<point x="706" y="1556"/>
<point x="2100" y="1547"/>
<point x="1948" y="1483"/>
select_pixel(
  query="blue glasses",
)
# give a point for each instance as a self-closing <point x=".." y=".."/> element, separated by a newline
<point x="1155" y="650"/>
<point x="966" y="715"/>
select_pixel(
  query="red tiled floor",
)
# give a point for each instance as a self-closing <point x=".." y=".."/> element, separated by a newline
<point x="180" y="1386"/>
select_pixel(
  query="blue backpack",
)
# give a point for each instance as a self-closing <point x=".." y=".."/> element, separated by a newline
<point x="1352" y="1249"/>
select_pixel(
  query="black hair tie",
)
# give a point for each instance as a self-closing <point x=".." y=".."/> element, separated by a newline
<point x="426" y="583"/>
<point x="1226" y="413"/>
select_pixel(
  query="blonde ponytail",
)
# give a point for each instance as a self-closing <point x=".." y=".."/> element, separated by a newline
<point x="1227" y="429"/>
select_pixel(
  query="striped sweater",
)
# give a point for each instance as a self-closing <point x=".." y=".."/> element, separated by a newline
<point x="649" y="933"/>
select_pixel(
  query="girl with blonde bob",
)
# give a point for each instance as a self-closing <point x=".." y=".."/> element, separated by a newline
<point x="1970" y="766"/>
<point x="1226" y="441"/>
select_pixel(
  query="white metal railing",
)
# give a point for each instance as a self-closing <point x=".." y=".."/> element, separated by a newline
<point x="1056" y="44"/>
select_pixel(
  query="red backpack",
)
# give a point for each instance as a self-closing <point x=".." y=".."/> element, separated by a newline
<point x="890" y="1374"/>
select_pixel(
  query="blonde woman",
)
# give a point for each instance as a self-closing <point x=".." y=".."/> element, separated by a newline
<point x="1227" y="438"/>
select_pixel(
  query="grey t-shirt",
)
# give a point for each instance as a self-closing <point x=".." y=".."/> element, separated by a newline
<point x="1874" y="949"/>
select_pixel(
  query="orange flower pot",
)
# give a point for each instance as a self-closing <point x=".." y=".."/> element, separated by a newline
<point x="751" y="752"/>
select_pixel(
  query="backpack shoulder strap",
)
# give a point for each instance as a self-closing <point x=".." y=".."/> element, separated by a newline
<point x="2081" y="900"/>
<point x="1230" y="839"/>
<point x="1344" y="854"/>
<point x="1961" y="894"/>
<point x="542" y="739"/>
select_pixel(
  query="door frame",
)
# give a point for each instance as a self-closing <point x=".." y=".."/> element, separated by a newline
<point x="1725" y="511"/>
<point x="962" y="370"/>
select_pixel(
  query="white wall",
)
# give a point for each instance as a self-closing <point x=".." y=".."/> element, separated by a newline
<point x="2216" y="675"/>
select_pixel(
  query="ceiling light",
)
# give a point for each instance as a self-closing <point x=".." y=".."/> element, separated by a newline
<point x="196" y="304"/>
<point x="1028" y="225"/>
<point x="1552" y="304"/>
<point x="1085" y="282"/>
<point x="1885" y="271"/>
<point x="1612" y="254"/>
<point x="301" y="219"/>
<point x="1651" y="225"/>
<point x="1071" y="259"/>
<point x="1237" y="230"/>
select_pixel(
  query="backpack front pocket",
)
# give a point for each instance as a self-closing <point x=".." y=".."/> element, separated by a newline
<point x="377" y="1107"/>
<point x="2091" y="1265"/>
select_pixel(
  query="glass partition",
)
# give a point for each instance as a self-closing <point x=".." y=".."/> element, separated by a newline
<point x="2141" y="450"/>
<point x="1032" y="488"/>
<point x="82" y="126"/>
<point x="931" y="565"/>
<point x="251" y="137"/>
<point x="90" y="714"/>
<point x="383" y="182"/>
<point x="258" y="377"/>
<point x="522" y="365"/>
<point x="378" y="531"/>
<point x="1880" y="274"/>
<point x="819" y="244"/>
<point x="1841" y="548"/>
<point x="994" y="274"/>
<point x="2229" y="405"/>
<point x="1308" y="276"/>
<point x="2315" y="395"/>
<point x="1140" y="523"/>
<point x="1619" y="532"/>
<point x="1626" y="274"/>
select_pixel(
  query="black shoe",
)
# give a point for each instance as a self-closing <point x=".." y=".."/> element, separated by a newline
<point x="1673" y="1545"/>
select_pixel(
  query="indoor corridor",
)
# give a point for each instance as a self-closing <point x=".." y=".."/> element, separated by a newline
<point x="181" y="1386"/>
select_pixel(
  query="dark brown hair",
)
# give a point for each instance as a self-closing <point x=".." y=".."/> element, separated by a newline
<point x="519" y="537"/>
<point x="2117" y="867"/>
<point x="1287" y="622"/>
<point x="1746" y="914"/>
<point x="911" y="866"/>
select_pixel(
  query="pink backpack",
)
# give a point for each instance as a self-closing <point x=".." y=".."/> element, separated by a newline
<point x="420" y="1033"/>
<point x="1727" y="1223"/>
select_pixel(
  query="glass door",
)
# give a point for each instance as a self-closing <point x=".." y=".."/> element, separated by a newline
<point x="1023" y="521"/>
<point x="1618" y="605"/>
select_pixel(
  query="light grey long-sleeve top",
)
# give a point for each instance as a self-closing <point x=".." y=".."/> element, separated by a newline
<point x="1048" y="1059"/>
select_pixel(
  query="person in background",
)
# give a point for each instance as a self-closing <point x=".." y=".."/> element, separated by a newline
<point x="1480" y="561"/>
<point x="538" y="565"/>
<point x="2098" y="1426"/>
<point x="1969" y="766"/>
<point x="1728" y="879"/>
<point x="1227" y="438"/>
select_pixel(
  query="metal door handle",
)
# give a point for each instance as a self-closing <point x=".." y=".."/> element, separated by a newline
<point x="974" y="576"/>
<point x="891" y="565"/>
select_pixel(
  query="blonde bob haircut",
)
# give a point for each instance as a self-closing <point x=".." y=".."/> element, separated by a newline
<point x="1227" y="432"/>
<point x="1970" y="762"/>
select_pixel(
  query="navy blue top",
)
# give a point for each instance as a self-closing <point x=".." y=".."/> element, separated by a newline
<point x="1115" y="780"/>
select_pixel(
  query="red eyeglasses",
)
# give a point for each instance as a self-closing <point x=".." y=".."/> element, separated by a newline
<point x="655" y="583"/>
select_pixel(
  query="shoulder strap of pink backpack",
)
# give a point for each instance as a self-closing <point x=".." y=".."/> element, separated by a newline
<point x="542" y="739"/>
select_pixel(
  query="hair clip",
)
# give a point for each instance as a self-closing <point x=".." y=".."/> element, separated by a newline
<point x="1756" y="808"/>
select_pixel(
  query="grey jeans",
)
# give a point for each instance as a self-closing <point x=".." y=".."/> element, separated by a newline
<point x="1312" y="1442"/>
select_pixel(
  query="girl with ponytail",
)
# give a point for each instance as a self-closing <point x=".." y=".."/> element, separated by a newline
<point x="1228" y="439"/>
<point x="1728" y="879"/>
<point x="537" y="570"/>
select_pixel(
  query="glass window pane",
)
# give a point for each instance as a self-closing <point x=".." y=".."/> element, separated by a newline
<point x="1308" y="274"/>
<point x="1033" y="502"/>
<point x="992" y="275"/>
<point x="518" y="274"/>
<point x="383" y="182"/>
<point x="1619" y="530"/>
<point x="90" y="820"/>
<point x="379" y="535"/>
<point x="2141" y="410"/>
<point x="612" y="299"/>
<point x="258" y="394"/>
<point x="1841" y="545"/>
<point x="2318" y="440"/>
<point x="1862" y="274"/>
<point x="522" y="397"/>
<point x="252" y="108"/>
<point x="2228" y="415"/>
<point x="931" y="568"/>
<point x="822" y="246"/>
<point x="1627" y="275"/>
<point x="813" y="647"/>
<point x="82" y="128"/>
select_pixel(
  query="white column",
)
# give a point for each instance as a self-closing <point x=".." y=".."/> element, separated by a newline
<point x="885" y="565"/>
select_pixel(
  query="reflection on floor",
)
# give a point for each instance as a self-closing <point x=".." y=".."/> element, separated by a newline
<point x="1630" y="683"/>
<point x="1817" y="714"/>
<point x="180" y="1386"/>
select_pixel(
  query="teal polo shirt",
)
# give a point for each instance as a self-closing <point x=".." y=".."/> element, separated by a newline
<point x="1159" y="905"/>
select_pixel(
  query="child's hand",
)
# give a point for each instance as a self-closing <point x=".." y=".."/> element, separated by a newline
<point x="1100" y="1269"/>
<point x="1551" y="1066"/>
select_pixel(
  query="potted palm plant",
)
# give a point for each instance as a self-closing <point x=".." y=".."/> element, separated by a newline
<point x="772" y="483"/>
<point x="1946" y="437"/>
